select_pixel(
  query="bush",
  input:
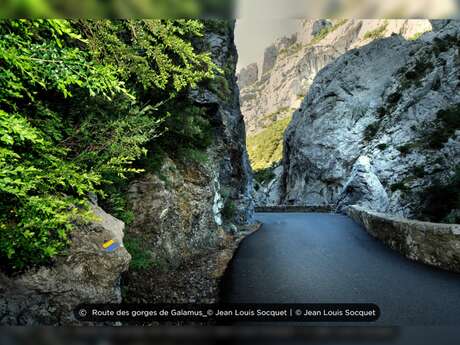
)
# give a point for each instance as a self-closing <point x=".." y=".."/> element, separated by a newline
<point x="141" y="259"/>
<point x="326" y="31"/>
<point x="399" y="186"/>
<point x="377" y="33"/>
<point x="194" y="155"/>
<point x="81" y="102"/>
<point x="382" y="147"/>
<point x="229" y="209"/>
<point x="416" y="36"/>
<point x="448" y="123"/>
<point x="219" y="85"/>
<point x="405" y="149"/>
<point x="263" y="176"/>
<point x="266" y="147"/>
<point x="417" y="72"/>
<point x="370" y="131"/>
<point x="442" y="200"/>
<point x="419" y="171"/>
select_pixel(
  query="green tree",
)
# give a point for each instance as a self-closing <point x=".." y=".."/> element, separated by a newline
<point x="80" y="103"/>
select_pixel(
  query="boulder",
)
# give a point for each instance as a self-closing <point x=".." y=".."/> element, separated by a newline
<point x="85" y="273"/>
<point x="363" y="188"/>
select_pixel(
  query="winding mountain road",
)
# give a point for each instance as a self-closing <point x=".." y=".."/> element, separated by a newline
<point x="328" y="258"/>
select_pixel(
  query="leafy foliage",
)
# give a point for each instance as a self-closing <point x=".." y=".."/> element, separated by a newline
<point x="371" y="131"/>
<point x="81" y="103"/>
<point x="443" y="200"/>
<point x="265" y="175"/>
<point x="266" y="147"/>
<point x="448" y="123"/>
<point x="416" y="36"/>
<point x="377" y="33"/>
<point x="141" y="258"/>
<point x="326" y="31"/>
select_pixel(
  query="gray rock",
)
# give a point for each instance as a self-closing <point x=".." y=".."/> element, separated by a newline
<point x="439" y="24"/>
<point x="293" y="62"/>
<point x="269" y="194"/>
<point x="228" y="153"/>
<point x="86" y="274"/>
<point x="248" y="75"/>
<point x="174" y="212"/>
<point x="270" y="55"/>
<point x="319" y="25"/>
<point x="379" y="101"/>
<point x="190" y="213"/>
<point x="363" y="187"/>
<point x="285" y="42"/>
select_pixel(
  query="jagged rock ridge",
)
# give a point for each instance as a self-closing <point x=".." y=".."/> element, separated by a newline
<point x="291" y="63"/>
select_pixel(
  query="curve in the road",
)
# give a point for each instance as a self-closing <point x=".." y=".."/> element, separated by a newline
<point x="328" y="258"/>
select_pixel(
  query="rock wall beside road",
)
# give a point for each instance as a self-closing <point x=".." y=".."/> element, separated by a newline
<point x="190" y="215"/>
<point x="434" y="244"/>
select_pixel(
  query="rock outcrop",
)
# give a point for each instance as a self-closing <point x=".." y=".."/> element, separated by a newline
<point x="85" y="274"/>
<point x="319" y="25"/>
<point x="291" y="63"/>
<point x="248" y="75"/>
<point x="189" y="215"/>
<point x="394" y="101"/>
<point x="269" y="194"/>
<point x="363" y="187"/>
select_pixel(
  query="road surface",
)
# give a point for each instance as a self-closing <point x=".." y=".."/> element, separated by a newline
<point x="328" y="258"/>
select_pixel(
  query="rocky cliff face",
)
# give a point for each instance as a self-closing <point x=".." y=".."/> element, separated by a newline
<point x="188" y="220"/>
<point x="379" y="127"/>
<point x="291" y="64"/>
<point x="190" y="215"/>
<point x="268" y="103"/>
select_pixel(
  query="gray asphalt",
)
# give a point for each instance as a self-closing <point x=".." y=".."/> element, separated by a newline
<point x="328" y="258"/>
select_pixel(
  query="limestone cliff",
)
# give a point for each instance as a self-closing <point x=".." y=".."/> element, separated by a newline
<point x="291" y="63"/>
<point x="188" y="219"/>
<point x="190" y="214"/>
<point x="268" y="102"/>
<point x="379" y="127"/>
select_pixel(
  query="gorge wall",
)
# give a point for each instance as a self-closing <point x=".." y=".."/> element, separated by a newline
<point x="379" y="127"/>
<point x="190" y="214"/>
<point x="269" y="94"/>
<point x="188" y="217"/>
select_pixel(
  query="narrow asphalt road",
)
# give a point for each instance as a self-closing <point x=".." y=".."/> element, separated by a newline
<point x="328" y="258"/>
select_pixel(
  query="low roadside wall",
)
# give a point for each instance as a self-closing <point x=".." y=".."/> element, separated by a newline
<point x="289" y="208"/>
<point x="431" y="243"/>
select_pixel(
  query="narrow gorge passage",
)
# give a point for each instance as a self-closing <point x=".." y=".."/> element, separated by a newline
<point x="328" y="258"/>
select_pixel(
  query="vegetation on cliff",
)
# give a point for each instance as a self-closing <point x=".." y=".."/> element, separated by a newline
<point x="266" y="147"/>
<point x="82" y="103"/>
